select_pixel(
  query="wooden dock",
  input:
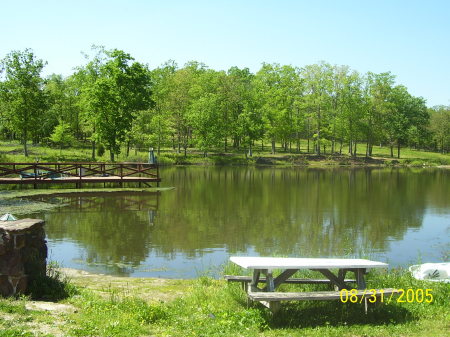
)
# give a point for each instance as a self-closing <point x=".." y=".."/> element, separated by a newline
<point x="79" y="173"/>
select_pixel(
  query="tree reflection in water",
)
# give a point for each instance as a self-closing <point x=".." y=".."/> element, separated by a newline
<point x="268" y="211"/>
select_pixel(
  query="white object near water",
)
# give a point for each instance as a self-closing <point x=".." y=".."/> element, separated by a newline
<point x="8" y="217"/>
<point x="436" y="272"/>
<point x="258" y="262"/>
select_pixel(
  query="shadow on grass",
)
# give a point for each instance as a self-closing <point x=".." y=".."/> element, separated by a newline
<point x="51" y="287"/>
<point x="303" y="315"/>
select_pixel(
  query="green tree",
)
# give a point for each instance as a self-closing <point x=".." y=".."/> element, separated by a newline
<point x="24" y="100"/>
<point x="63" y="95"/>
<point x="318" y="85"/>
<point x="440" y="126"/>
<point x="205" y="119"/>
<point x="82" y="81"/>
<point x="277" y="88"/>
<point x="250" y="124"/>
<point x="121" y="89"/>
<point x="62" y="135"/>
<point x="159" y="123"/>
<point x="379" y="105"/>
<point x="351" y="111"/>
<point x="236" y="90"/>
<point x="408" y="113"/>
<point x="182" y="92"/>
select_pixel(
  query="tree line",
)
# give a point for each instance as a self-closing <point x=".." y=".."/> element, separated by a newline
<point x="112" y="100"/>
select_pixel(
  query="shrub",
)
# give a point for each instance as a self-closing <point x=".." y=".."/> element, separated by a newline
<point x="100" y="149"/>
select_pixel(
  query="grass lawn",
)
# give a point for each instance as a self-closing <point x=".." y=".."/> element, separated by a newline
<point x="116" y="306"/>
<point x="13" y="152"/>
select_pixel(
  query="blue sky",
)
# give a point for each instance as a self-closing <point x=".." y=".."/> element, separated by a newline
<point x="409" y="38"/>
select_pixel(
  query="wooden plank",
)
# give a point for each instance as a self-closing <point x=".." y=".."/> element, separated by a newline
<point x="63" y="180"/>
<point x="315" y="295"/>
<point x="255" y="262"/>
<point x="360" y="278"/>
<point x="255" y="279"/>
<point x="283" y="277"/>
<point x="333" y="278"/>
<point x="248" y="279"/>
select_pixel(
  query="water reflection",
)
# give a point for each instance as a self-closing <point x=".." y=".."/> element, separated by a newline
<point x="215" y="212"/>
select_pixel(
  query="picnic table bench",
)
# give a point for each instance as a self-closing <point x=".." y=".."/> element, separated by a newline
<point x="289" y="266"/>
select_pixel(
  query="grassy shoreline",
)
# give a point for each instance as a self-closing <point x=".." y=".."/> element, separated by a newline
<point x="102" y="305"/>
<point x="12" y="152"/>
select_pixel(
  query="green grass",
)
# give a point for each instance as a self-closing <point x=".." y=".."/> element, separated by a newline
<point x="13" y="152"/>
<point x="209" y="307"/>
<point x="213" y="308"/>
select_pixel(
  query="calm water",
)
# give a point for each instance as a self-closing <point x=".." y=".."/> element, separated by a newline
<point x="400" y="216"/>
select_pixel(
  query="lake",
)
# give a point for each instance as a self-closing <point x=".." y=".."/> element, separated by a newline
<point x="399" y="216"/>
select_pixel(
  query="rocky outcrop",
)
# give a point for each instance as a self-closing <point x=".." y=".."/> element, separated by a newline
<point x="23" y="254"/>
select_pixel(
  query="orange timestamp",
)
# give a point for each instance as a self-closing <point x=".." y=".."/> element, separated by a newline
<point x="409" y="295"/>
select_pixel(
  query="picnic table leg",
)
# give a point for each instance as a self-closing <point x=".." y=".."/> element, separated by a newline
<point x="360" y="281"/>
<point x="269" y="280"/>
<point x="335" y="280"/>
<point x="255" y="280"/>
<point x="283" y="277"/>
<point x="341" y="277"/>
<point x="274" y="306"/>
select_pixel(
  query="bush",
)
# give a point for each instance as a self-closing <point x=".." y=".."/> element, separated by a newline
<point x="100" y="149"/>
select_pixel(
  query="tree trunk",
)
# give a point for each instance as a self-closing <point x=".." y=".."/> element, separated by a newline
<point x="250" y="151"/>
<point x="93" y="150"/>
<point x="273" y="146"/>
<point x="318" y="133"/>
<point x="392" y="150"/>
<point x="398" y="149"/>
<point x="25" y="149"/>
<point x="159" y="144"/>
<point x="128" y="148"/>
<point x="340" y="146"/>
<point x="111" y="154"/>
<point x="354" y="151"/>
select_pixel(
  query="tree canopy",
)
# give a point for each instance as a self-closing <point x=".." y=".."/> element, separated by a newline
<point x="113" y="99"/>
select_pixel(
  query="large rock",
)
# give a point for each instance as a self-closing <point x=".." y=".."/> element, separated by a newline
<point x="23" y="254"/>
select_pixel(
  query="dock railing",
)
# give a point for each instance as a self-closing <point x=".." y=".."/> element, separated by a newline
<point x="39" y="172"/>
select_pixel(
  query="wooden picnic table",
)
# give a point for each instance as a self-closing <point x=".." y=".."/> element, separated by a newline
<point x="289" y="266"/>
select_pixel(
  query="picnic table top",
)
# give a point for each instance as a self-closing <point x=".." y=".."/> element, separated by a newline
<point x="253" y="262"/>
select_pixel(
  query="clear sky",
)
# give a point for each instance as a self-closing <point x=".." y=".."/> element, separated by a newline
<point x="409" y="38"/>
